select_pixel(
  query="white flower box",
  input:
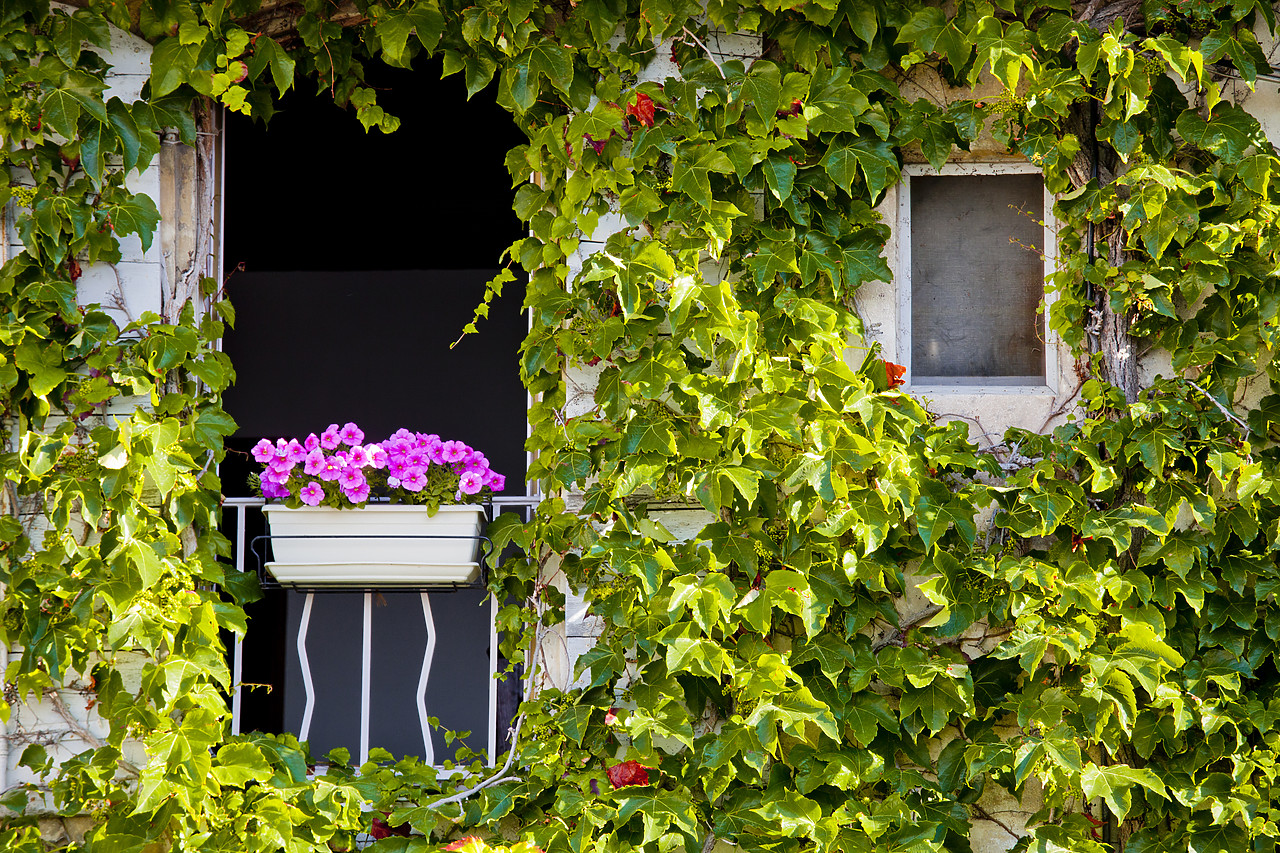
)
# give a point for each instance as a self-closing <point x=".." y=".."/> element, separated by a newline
<point x="379" y="545"/>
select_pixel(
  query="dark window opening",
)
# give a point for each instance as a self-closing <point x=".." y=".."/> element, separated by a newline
<point x="354" y="261"/>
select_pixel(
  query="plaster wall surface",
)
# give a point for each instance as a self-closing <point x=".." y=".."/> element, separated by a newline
<point x="66" y="722"/>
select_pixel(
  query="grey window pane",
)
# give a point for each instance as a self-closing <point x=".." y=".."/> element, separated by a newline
<point x="974" y="290"/>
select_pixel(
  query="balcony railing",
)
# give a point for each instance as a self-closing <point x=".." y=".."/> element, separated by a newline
<point x="237" y="516"/>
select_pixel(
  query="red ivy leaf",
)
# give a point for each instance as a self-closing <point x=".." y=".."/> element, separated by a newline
<point x="597" y="144"/>
<point x="381" y="829"/>
<point x="628" y="773"/>
<point x="642" y="109"/>
<point x="612" y="716"/>
<point x="463" y="842"/>
<point x="894" y="373"/>
<point x="796" y="106"/>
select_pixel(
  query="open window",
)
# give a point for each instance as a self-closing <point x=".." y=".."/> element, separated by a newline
<point x="355" y="261"/>
<point x="975" y="242"/>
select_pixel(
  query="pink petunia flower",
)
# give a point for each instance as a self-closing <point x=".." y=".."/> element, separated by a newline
<point x="358" y="494"/>
<point x="498" y="482"/>
<point x="295" y="452"/>
<point x="351" y="434"/>
<point x="350" y="478"/>
<point x="330" y="438"/>
<point x="358" y="457"/>
<point x="273" y="490"/>
<point x="263" y="450"/>
<point x="332" y="469"/>
<point x="454" y="451"/>
<point x="415" y="482"/>
<point x="311" y="494"/>
<point x="312" y="442"/>
<point x="314" y="463"/>
<point x="470" y="483"/>
<point x="377" y="457"/>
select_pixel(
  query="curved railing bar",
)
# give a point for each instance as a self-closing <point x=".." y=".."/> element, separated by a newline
<point x="428" y="748"/>
<point x="306" y="669"/>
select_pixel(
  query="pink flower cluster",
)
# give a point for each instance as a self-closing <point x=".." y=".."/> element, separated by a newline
<point x="339" y="457"/>
<point x="410" y="455"/>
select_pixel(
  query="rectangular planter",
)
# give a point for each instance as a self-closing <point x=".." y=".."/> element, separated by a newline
<point x="378" y="545"/>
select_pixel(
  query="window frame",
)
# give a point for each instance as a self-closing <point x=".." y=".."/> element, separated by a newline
<point x="903" y="340"/>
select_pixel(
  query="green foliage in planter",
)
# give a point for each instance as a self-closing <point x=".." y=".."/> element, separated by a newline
<point x="1097" y="620"/>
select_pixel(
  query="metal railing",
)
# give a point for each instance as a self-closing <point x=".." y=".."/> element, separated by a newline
<point x="245" y="560"/>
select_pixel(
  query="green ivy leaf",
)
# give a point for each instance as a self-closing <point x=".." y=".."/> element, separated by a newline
<point x="1112" y="784"/>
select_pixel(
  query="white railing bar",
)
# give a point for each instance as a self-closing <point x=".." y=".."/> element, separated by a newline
<point x="306" y="668"/>
<point x="493" y="680"/>
<point x="243" y="502"/>
<point x="429" y="622"/>
<point x="366" y="681"/>
<point x="237" y="655"/>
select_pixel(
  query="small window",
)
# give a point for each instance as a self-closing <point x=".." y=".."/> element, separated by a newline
<point x="974" y="242"/>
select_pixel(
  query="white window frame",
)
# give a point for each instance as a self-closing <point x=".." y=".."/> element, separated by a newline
<point x="903" y="277"/>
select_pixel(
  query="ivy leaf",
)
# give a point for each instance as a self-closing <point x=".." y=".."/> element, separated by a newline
<point x="127" y="132"/>
<point x="653" y="260"/>
<point x="762" y="91"/>
<point x="938" y="701"/>
<point x="659" y="811"/>
<point x="791" y="711"/>
<point x="937" y="510"/>
<point x="834" y="103"/>
<point x="1228" y="133"/>
<point x="267" y="53"/>
<point x="692" y="170"/>
<point x="172" y="64"/>
<point x="42" y="361"/>
<point x="862" y="261"/>
<point x="932" y="32"/>
<point x="71" y="31"/>
<point x="1004" y="49"/>
<point x="1219" y="838"/>
<point x="61" y="107"/>
<point x="646" y="434"/>
<point x="241" y="763"/>
<point x="96" y="141"/>
<point x="780" y="175"/>
<point x="546" y="59"/>
<point x="793" y="815"/>
<point x="873" y="157"/>
<point x="770" y="261"/>
<point x="134" y="215"/>
<point x="1116" y="525"/>
<point x="832" y="654"/>
<point x="1145" y="656"/>
<point x="1112" y="784"/>
<point x="422" y="19"/>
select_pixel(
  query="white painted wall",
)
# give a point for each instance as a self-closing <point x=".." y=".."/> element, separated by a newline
<point x="67" y="723"/>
